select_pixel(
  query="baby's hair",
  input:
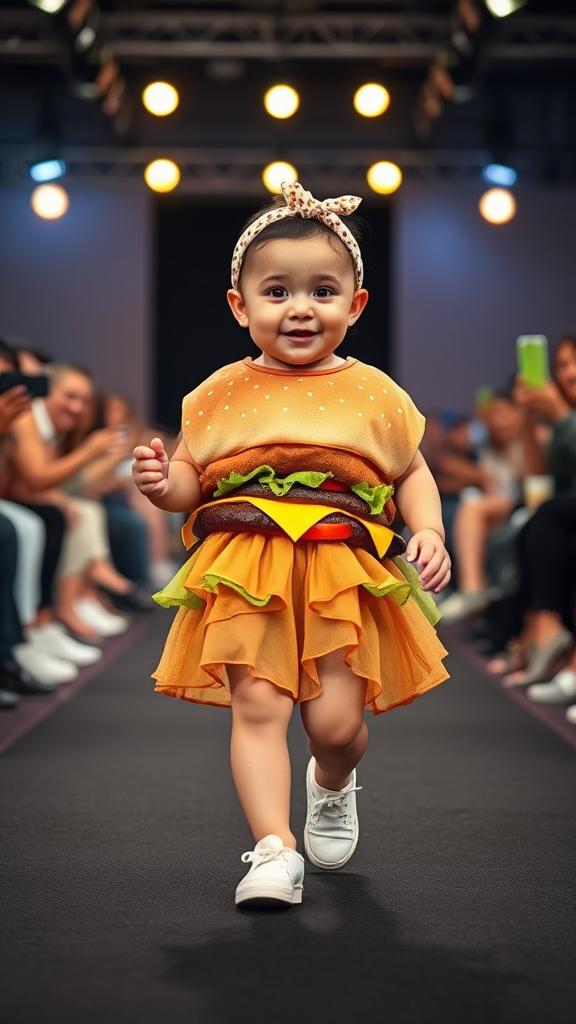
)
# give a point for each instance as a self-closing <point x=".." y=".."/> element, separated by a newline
<point x="300" y="227"/>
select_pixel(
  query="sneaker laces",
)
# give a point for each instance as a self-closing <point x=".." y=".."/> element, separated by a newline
<point x="334" y="802"/>
<point x="257" y="857"/>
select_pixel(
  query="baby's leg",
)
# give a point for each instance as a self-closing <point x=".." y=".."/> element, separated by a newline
<point x="334" y="721"/>
<point x="259" y="753"/>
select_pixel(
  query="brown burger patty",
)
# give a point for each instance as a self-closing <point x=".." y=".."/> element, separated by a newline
<point x="238" y="517"/>
<point x="346" y="500"/>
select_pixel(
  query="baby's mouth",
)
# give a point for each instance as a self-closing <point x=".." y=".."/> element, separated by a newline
<point x="300" y="335"/>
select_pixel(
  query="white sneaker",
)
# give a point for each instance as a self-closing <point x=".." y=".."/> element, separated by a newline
<point x="331" y="831"/>
<point x="43" y="667"/>
<point x="458" y="606"/>
<point x="275" y="878"/>
<point x="54" y="640"/>
<point x="93" y="614"/>
<point x="560" y="689"/>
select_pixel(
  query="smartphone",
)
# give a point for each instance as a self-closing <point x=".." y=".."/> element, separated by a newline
<point x="532" y="354"/>
<point x="36" y="385"/>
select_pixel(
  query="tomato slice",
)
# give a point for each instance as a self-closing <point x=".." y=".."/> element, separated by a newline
<point x="333" y="485"/>
<point x="328" y="531"/>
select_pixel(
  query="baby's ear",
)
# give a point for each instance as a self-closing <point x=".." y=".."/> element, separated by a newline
<point x="238" y="306"/>
<point x="358" y="305"/>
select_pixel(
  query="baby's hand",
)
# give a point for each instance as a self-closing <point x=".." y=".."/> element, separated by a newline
<point x="427" y="548"/>
<point x="150" y="469"/>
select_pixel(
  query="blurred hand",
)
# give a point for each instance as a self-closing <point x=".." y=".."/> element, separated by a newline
<point x="427" y="549"/>
<point x="150" y="469"/>
<point x="547" y="401"/>
<point x="12" y="404"/>
<point x="101" y="442"/>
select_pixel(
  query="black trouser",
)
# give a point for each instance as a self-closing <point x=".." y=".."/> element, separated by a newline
<point x="10" y="628"/>
<point x="55" y="523"/>
<point x="548" y="559"/>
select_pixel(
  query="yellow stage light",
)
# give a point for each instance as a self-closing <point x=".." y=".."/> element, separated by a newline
<point x="497" y="206"/>
<point x="160" y="98"/>
<point x="384" y="177"/>
<point x="50" y="201"/>
<point x="281" y="101"/>
<point x="502" y="8"/>
<point x="162" y="175"/>
<point x="371" y="100"/>
<point x="276" y="173"/>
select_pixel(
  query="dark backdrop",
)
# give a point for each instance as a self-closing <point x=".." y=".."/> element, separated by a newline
<point x="195" y="331"/>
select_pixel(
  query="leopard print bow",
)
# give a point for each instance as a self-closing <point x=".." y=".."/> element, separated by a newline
<point x="300" y="203"/>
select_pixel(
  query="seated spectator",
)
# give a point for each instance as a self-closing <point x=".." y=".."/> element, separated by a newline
<point x="548" y="540"/>
<point x="30" y="549"/>
<point x="39" y="471"/>
<point x="501" y="463"/>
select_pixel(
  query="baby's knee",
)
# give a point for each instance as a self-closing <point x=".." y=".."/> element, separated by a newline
<point x="257" y="702"/>
<point x="336" y="733"/>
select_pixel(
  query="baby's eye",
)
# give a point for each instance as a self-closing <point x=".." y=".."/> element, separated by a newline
<point x="277" y="292"/>
<point x="324" y="292"/>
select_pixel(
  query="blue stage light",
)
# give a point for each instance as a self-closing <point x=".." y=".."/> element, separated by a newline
<point x="499" y="174"/>
<point x="47" y="170"/>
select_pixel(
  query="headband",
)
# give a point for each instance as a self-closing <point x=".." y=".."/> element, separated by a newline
<point x="300" y="203"/>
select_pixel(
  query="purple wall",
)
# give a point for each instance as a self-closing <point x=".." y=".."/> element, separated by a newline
<point x="465" y="289"/>
<point x="80" y="287"/>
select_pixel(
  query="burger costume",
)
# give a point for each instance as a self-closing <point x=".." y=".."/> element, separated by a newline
<point x="293" y="551"/>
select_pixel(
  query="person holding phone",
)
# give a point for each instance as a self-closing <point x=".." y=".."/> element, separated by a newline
<point x="548" y="541"/>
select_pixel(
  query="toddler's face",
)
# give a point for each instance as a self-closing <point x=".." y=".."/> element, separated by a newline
<point x="298" y="299"/>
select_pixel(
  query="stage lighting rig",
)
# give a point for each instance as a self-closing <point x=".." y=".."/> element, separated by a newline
<point x="88" y="60"/>
<point x="455" y="73"/>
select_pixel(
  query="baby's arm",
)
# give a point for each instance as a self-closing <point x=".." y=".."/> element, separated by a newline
<point x="418" y="502"/>
<point x="171" y="484"/>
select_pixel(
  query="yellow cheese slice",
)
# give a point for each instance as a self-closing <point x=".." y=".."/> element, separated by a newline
<point x="295" y="519"/>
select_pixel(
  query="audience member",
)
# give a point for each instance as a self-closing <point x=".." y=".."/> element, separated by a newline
<point x="38" y="477"/>
<point x="548" y="540"/>
<point x="501" y="464"/>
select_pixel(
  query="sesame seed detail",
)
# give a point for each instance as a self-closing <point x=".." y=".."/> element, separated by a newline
<point x="360" y="414"/>
<point x="187" y="424"/>
<point x="371" y="397"/>
<point x="226" y="407"/>
<point x="360" y="387"/>
<point x="321" y="407"/>
<point x="242" y="415"/>
<point x="210" y="393"/>
<point x="201" y="413"/>
<point x="341" y="400"/>
<point x="254" y="410"/>
<point x="309" y="393"/>
<point x="384" y="392"/>
<point x="285" y="387"/>
<point x="208" y="427"/>
<point x="256" y="386"/>
<point x="389" y="424"/>
<point x="400" y="411"/>
<point x="284" y="408"/>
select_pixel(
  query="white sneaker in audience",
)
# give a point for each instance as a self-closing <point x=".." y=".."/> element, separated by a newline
<point x="43" y="667"/>
<point x="560" y="690"/>
<point x="571" y="714"/>
<point x="459" y="606"/>
<point x="94" y="615"/>
<point x="53" y="639"/>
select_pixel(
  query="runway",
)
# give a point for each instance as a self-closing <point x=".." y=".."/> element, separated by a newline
<point x="121" y="844"/>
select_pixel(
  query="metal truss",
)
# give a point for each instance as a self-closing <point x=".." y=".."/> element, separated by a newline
<point x="414" y="39"/>
<point x="234" y="173"/>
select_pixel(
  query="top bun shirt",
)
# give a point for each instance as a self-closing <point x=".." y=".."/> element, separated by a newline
<point x="351" y="407"/>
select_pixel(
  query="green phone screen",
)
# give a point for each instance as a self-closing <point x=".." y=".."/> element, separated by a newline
<point x="532" y="351"/>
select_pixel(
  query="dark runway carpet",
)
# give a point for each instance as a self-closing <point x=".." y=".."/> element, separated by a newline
<point x="121" y="841"/>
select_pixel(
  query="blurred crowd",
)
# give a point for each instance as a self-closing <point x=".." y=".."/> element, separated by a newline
<point x="507" y="479"/>
<point x="81" y="550"/>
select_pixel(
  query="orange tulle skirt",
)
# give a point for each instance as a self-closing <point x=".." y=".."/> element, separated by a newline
<point x="277" y="606"/>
